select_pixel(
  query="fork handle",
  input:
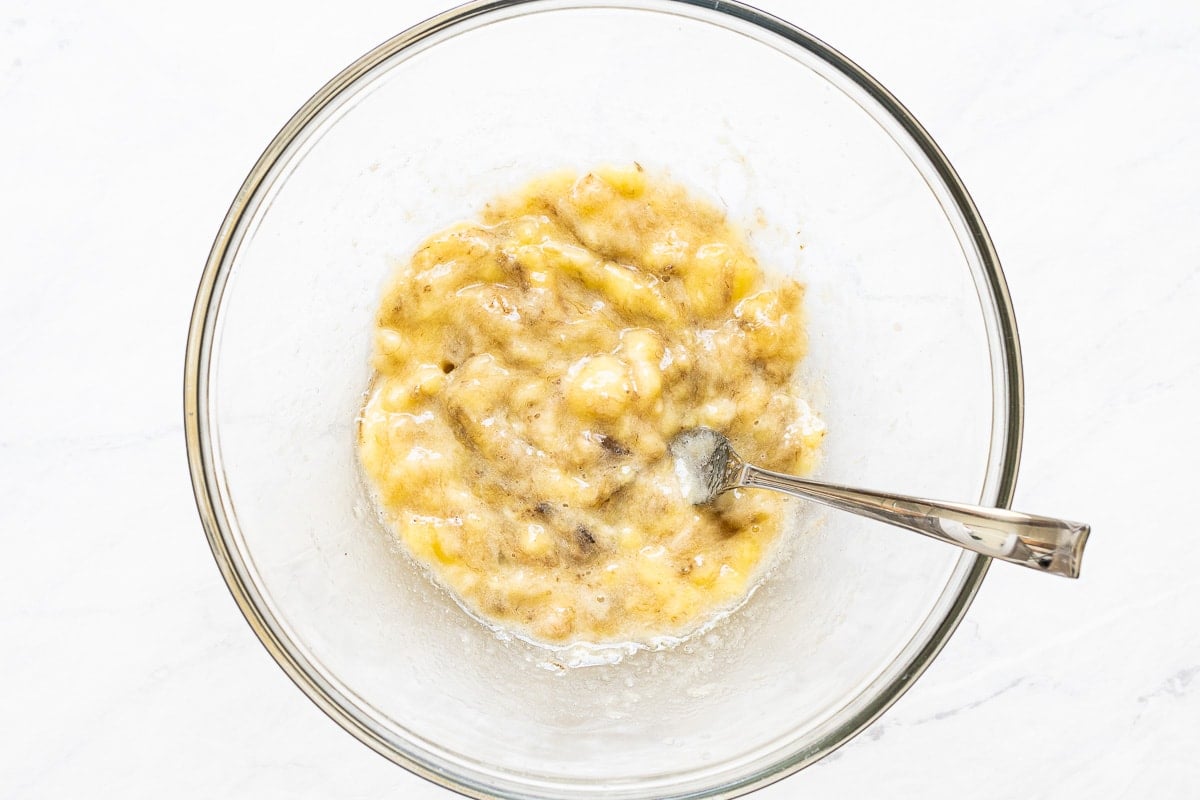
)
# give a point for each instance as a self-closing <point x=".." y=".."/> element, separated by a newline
<point x="1041" y="543"/>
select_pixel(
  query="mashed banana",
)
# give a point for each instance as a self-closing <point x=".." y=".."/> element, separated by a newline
<point x="531" y="370"/>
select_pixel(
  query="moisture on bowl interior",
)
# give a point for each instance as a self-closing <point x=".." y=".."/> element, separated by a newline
<point x="531" y="369"/>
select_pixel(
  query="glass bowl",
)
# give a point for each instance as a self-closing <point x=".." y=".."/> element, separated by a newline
<point x="913" y="364"/>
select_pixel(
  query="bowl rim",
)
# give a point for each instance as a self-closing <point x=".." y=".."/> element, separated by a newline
<point x="1008" y="400"/>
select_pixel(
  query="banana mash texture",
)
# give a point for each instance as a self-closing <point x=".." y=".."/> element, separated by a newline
<point x="531" y="369"/>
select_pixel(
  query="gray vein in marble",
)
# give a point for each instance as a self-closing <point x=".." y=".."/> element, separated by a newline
<point x="1177" y="685"/>
<point x="96" y="443"/>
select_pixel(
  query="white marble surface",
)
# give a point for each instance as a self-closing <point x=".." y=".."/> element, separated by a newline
<point x="125" y="129"/>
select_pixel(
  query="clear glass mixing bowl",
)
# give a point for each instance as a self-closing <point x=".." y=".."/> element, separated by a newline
<point x="913" y="363"/>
